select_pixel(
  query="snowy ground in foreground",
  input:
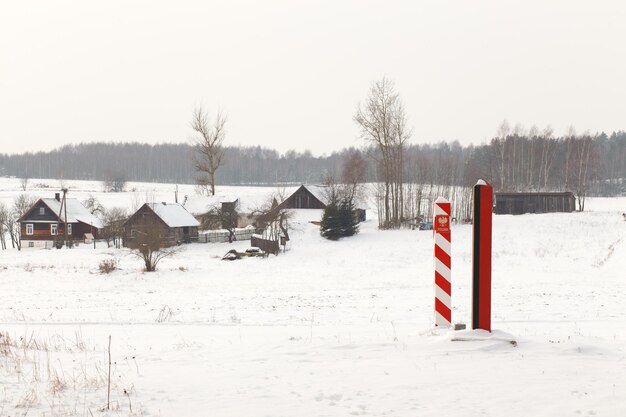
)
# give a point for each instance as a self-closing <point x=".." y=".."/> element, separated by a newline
<point x="330" y="328"/>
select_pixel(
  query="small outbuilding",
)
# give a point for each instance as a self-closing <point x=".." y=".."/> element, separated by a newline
<point x="169" y="221"/>
<point x="539" y="202"/>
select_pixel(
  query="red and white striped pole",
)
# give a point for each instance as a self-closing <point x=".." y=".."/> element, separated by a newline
<point x="443" y="264"/>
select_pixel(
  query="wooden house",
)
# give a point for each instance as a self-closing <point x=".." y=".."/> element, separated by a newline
<point x="539" y="202"/>
<point x="170" y="222"/>
<point x="45" y="222"/>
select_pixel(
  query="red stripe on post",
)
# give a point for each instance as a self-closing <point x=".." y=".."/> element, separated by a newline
<point x="442" y="256"/>
<point x="443" y="283"/>
<point x="446" y="207"/>
<point x="481" y="259"/>
<point x="486" y="210"/>
<point x="442" y="309"/>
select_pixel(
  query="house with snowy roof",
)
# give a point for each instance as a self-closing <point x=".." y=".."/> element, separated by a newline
<point x="46" y="221"/>
<point x="171" y="222"/>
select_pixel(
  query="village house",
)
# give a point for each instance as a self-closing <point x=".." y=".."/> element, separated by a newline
<point x="44" y="223"/>
<point x="170" y="222"/>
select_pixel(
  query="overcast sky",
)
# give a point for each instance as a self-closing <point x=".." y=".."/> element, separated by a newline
<point x="290" y="74"/>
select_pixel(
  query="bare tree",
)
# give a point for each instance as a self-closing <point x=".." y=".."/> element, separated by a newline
<point x="353" y="173"/>
<point x="151" y="247"/>
<point x="4" y="219"/>
<point x="113" y="229"/>
<point x="222" y="216"/>
<point x="570" y="137"/>
<point x="382" y="121"/>
<point x="547" y="156"/>
<point x="499" y="145"/>
<point x="114" y="182"/>
<point x="21" y="204"/>
<point x="582" y="156"/>
<point x="533" y="135"/>
<point x="24" y="182"/>
<point x="270" y="219"/>
<point x="208" y="147"/>
<point x="93" y="205"/>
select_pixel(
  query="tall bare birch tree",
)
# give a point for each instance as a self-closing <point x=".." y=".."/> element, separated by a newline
<point x="583" y="156"/>
<point x="208" y="147"/>
<point x="382" y="121"/>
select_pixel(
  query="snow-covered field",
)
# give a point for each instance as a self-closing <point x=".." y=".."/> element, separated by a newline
<point x="327" y="329"/>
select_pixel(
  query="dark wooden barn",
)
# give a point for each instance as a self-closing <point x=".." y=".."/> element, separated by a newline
<point x="304" y="198"/>
<point x="314" y="197"/>
<point x="520" y="203"/>
<point x="170" y="222"/>
<point x="45" y="222"/>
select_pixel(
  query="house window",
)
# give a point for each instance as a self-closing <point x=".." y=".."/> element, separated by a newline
<point x="42" y="211"/>
<point x="133" y="233"/>
<point x="29" y="229"/>
<point x="53" y="229"/>
<point x="69" y="229"/>
<point x="31" y="244"/>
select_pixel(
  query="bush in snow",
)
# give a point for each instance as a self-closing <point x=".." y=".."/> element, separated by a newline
<point x="107" y="266"/>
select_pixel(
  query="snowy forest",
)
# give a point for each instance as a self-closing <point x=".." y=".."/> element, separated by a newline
<point x="514" y="160"/>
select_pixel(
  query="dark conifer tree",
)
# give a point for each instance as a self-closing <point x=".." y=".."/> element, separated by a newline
<point x="330" y="227"/>
<point x="347" y="219"/>
<point x="339" y="220"/>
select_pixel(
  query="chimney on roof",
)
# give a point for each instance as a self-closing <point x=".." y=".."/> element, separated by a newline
<point x="57" y="196"/>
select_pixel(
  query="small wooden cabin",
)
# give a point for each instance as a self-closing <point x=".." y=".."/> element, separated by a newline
<point x="520" y="203"/>
<point x="169" y="221"/>
<point x="45" y="222"/>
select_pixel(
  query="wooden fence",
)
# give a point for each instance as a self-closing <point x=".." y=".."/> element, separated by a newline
<point x="266" y="245"/>
<point x="220" y="236"/>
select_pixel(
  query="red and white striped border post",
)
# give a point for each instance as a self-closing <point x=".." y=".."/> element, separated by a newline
<point x="443" y="264"/>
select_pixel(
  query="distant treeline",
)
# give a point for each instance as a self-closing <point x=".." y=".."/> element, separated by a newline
<point x="513" y="160"/>
<point x="170" y="163"/>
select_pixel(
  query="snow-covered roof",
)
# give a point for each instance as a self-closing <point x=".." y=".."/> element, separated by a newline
<point x="173" y="214"/>
<point x="76" y="212"/>
<point x="319" y="191"/>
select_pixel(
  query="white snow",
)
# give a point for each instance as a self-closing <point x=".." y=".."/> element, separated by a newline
<point x="75" y="211"/>
<point x="173" y="214"/>
<point x="328" y="328"/>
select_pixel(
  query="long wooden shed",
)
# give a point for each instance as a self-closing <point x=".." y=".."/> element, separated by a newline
<point x="538" y="202"/>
